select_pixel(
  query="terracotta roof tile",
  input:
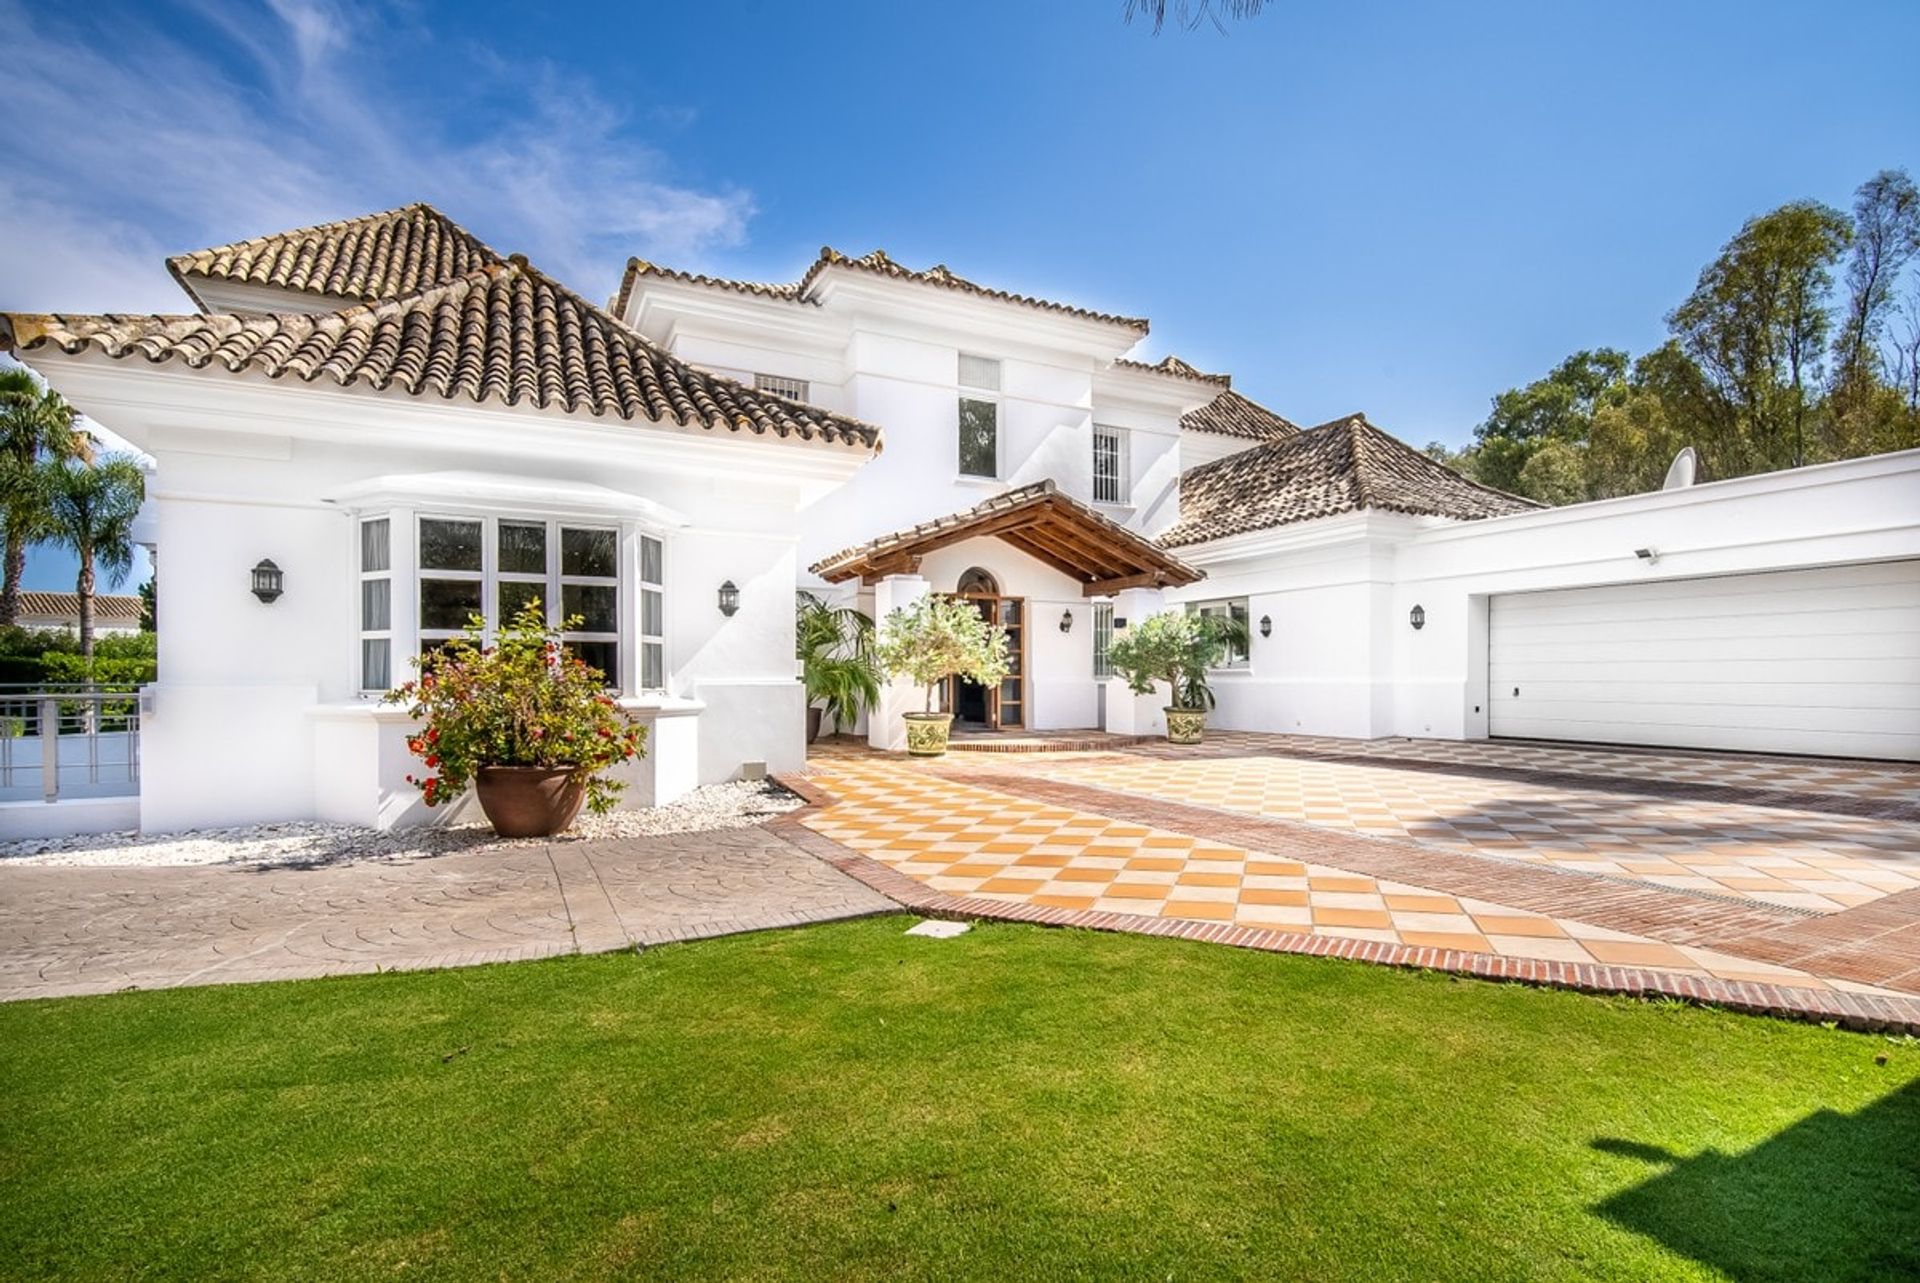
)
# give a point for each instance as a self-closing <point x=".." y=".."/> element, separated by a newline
<point x="1232" y="415"/>
<point x="107" y="607"/>
<point x="1174" y="367"/>
<point x="504" y="332"/>
<point x="1347" y="465"/>
<point x="877" y="263"/>
<point x="1094" y="550"/>
<point x="376" y="256"/>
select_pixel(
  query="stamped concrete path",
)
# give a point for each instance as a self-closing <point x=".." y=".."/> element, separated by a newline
<point x="99" y="930"/>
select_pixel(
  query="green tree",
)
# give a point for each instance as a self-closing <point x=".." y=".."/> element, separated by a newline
<point x="91" y="509"/>
<point x="1758" y="322"/>
<point x="1558" y="407"/>
<point x="1867" y="413"/>
<point x="1635" y="436"/>
<point x="35" y="425"/>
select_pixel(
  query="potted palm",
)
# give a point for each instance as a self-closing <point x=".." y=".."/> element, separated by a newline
<point x="835" y="649"/>
<point x="524" y="721"/>
<point x="934" y="639"/>
<point x="1179" y="649"/>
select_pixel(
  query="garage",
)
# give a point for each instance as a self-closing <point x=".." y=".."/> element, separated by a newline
<point x="1819" y="661"/>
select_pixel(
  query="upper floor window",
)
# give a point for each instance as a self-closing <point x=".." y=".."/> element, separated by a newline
<point x="1234" y="608"/>
<point x="979" y="416"/>
<point x="780" y="385"/>
<point x="1109" y="465"/>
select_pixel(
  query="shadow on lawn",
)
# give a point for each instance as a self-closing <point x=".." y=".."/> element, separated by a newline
<point x="1834" y="1196"/>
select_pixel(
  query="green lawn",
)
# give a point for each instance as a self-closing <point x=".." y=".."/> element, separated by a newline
<point x="844" y="1102"/>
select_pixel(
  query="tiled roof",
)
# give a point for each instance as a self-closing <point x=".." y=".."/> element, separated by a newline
<point x="877" y="263"/>
<point x="107" y="608"/>
<point x="1232" y="415"/>
<point x="504" y="332"/>
<point x="1099" y="553"/>
<point x="1347" y="465"/>
<point x="1176" y="368"/>
<point x="376" y="256"/>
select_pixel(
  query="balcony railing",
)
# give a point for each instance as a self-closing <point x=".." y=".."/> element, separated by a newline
<point x="69" y="741"/>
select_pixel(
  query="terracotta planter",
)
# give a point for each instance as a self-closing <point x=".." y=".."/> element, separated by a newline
<point x="813" y="723"/>
<point x="927" y="734"/>
<point x="1184" y="725"/>
<point x="529" y="801"/>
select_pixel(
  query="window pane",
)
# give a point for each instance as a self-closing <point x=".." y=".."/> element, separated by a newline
<point x="587" y="552"/>
<point x="449" y="545"/>
<point x="979" y="432"/>
<point x="376" y="673"/>
<point x="651" y="557"/>
<point x="653" y="666"/>
<point x="523" y="548"/>
<point x="652" y="610"/>
<point x="979" y="372"/>
<point x="376" y="605"/>
<point x="447" y="603"/>
<point x="604" y="656"/>
<point x="597" y="606"/>
<point x="515" y="596"/>
<point x="376" y="545"/>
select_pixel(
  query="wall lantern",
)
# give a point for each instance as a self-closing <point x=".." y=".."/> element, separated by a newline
<point x="1066" y="621"/>
<point x="729" y="599"/>
<point x="1266" y="625"/>
<point x="1119" y="623"/>
<point x="1417" y="617"/>
<point x="267" y="581"/>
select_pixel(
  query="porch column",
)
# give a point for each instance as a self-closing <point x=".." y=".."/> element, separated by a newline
<point x="885" y="727"/>
<point x="1128" y="713"/>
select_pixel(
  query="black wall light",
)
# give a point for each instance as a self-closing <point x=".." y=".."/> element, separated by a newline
<point x="268" y="582"/>
<point x="1417" y="617"/>
<point x="729" y="599"/>
<point x="1266" y="625"/>
<point x="1066" y="621"/>
<point x="1119" y="623"/>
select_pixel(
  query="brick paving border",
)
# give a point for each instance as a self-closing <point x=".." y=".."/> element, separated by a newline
<point x="1840" y="804"/>
<point x="1868" y="1013"/>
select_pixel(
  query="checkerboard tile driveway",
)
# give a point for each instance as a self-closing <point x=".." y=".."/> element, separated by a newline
<point x="968" y="840"/>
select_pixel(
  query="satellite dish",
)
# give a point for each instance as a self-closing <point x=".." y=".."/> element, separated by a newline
<point x="1680" y="471"/>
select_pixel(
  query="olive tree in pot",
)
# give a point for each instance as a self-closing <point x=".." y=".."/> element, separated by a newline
<point x="936" y="638"/>
<point x="524" y="721"/>
<point x="835" y="647"/>
<point x="1177" y="648"/>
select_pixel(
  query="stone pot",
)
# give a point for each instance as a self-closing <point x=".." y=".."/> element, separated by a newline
<point x="529" y="801"/>
<point x="927" y="734"/>
<point x="1184" y="725"/>
<point x="813" y="723"/>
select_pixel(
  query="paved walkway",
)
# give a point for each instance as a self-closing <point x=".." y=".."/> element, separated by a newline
<point x="98" y="930"/>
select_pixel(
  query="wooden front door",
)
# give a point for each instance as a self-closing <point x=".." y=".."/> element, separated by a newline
<point x="1006" y="704"/>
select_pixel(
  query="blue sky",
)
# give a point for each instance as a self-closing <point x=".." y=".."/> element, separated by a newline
<point x="1400" y="209"/>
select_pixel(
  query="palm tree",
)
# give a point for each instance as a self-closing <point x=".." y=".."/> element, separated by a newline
<point x="35" y="424"/>
<point x="91" y="510"/>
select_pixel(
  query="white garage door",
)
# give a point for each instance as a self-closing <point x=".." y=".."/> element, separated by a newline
<point x="1792" y="661"/>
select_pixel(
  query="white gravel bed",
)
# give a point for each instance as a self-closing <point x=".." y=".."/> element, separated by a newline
<point x="716" y="806"/>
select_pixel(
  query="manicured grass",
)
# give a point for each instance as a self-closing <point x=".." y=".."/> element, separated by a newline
<point x="845" y="1102"/>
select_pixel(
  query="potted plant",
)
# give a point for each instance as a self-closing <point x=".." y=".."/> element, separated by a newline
<point x="936" y="638"/>
<point x="835" y="649"/>
<point x="524" y="721"/>
<point x="1177" y="648"/>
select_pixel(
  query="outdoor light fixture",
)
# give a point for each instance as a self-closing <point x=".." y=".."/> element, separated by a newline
<point x="1119" y="623"/>
<point x="1417" y="617"/>
<point x="1266" y="625"/>
<point x="267" y="581"/>
<point x="729" y="599"/>
<point x="1066" y="621"/>
<point x="1648" y="555"/>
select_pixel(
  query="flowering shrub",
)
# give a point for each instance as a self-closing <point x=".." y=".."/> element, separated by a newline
<point x="524" y="701"/>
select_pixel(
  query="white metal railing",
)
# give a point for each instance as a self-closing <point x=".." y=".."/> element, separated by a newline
<point x="80" y="740"/>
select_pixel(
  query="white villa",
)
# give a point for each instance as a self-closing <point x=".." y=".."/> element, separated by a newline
<point x="411" y="427"/>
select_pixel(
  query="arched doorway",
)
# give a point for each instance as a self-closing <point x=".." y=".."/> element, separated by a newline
<point x="985" y="707"/>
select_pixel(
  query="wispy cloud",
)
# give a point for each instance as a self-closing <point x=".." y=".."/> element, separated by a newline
<point x="147" y="141"/>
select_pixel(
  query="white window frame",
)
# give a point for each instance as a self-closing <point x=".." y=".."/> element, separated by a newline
<point x="1226" y="606"/>
<point x="978" y="391"/>
<point x="650" y="641"/>
<point x="781" y="385"/>
<point x="1122" y="487"/>
<point x="1102" y="639"/>
<point x="365" y="576"/>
